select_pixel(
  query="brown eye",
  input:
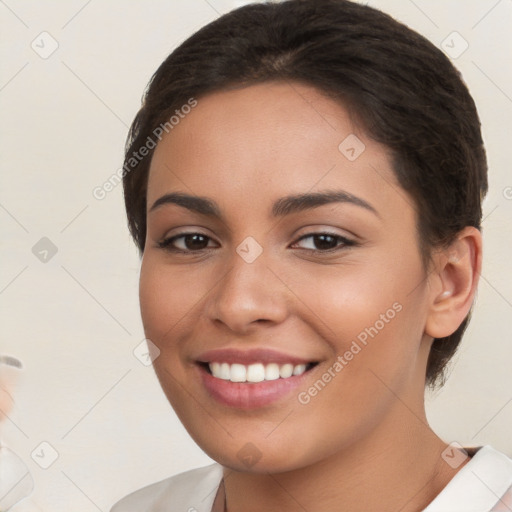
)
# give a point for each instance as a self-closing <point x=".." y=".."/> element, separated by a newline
<point x="188" y="242"/>
<point x="324" y="242"/>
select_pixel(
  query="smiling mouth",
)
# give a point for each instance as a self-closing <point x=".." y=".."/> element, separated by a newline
<point x="256" y="372"/>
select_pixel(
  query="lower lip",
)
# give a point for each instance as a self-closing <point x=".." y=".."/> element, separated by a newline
<point x="249" y="395"/>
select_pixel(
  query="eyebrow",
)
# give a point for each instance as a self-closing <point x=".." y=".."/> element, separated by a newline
<point x="283" y="206"/>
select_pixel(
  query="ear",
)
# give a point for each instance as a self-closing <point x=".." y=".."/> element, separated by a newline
<point x="453" y="283"/>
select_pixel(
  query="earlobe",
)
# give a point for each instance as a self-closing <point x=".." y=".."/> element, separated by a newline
<point x="454" y="282"/>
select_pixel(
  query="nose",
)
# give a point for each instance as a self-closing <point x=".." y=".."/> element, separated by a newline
<point x="248" y="294"/>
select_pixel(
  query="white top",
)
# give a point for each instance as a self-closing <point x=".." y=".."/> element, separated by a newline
<point x="484" y="484"/>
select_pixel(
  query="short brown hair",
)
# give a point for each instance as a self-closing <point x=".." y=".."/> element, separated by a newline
<point x="405" y="91"/>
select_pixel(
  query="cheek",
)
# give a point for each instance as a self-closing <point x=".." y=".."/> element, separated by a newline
<point x="348" y="298"/>
<point x="165" y="301"/>
<point x="371" y="322"/>
<point x="166" y="295"/>
<point x="155" y="297"/>
<point x="366" y="313"/>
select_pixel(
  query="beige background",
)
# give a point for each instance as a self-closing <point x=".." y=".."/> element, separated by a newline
<point x="74" y="320"/>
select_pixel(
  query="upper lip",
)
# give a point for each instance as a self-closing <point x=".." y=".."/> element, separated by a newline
<point x="250" y="356"/>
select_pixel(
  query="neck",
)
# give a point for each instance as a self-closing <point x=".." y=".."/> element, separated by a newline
<point x="397" y="467"/>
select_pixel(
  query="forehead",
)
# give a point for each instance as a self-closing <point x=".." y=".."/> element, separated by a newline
<point x="273" y="116"/>
<point x="267" y="139"/>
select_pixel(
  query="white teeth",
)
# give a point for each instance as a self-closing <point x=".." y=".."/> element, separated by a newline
<point x="286" y="371"/>
<point x="256" y="372"/>
<point x="215" y="368"/>
<point x="299" y="369"/>
<point x="225" y="372"/>
<point x="272" y="371"/>
<point x="238" y="373"/>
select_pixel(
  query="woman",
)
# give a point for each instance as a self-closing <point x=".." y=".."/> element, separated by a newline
<point x="304" y="183"/>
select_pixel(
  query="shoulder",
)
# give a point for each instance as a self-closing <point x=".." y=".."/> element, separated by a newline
<point x="484" y="484"/>
<point x="193" y="490"/>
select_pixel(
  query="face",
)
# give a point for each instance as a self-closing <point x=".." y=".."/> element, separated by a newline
<point x="284" y="318"/>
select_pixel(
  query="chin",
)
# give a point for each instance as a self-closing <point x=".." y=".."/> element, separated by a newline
<point x="250" y="459"/>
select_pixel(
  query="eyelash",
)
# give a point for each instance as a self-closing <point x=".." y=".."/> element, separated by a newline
<point x="166" y="244"/>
